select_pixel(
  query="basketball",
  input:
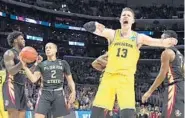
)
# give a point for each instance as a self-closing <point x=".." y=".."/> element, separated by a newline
<point x="28" y="54"/>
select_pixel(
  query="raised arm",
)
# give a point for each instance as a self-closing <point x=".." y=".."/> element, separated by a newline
<point x="100" y="30"/>
<point x="33" y="77"/>
<point x="9" y="63"/>
<point x="147" y="40"/>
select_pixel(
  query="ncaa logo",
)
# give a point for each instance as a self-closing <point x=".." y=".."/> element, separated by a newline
<point x="177" y="113"/>
<point x="6" y="102"/>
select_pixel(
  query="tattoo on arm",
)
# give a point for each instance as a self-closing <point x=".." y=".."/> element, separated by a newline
<point x="10" y="64"/>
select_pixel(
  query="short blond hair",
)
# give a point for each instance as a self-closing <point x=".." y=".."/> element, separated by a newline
<point x="128" y="9"/>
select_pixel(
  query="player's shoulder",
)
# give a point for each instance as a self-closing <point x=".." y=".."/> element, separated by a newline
<point x="45" y="62"/>
<point x="168" y="52"/>
<point x="2" y="72"/>
<point x="64" y="61"/>
<point x="9" y="54"/>
<point x="141" y="35"/>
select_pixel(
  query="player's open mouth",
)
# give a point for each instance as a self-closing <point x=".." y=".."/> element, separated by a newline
<point x="125" y="22"/>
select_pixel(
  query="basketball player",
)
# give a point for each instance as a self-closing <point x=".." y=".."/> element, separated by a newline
<point x="13" y="88"/>
<point x="100" y="64"/>
<point x="123" y="54"/>
<point x="3" y="114"/>
<point x="172" y="64"/>
<point x="52" y="72"/>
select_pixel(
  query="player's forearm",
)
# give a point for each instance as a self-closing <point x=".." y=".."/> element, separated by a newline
<point x="157" y="83"/>
<point x="15" y="69"/>
<point x="154" y="42"/>
<point x="33" y="67"/>
<point x="30" y="75"/>
<point x="71" y="85"/>
<point x="102" y="61"/>
<point x="97" y="66"/>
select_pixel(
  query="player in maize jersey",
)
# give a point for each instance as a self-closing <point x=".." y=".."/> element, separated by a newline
<point x="3" y="114"/>
<point x="13" y="88"/>
<point x="123" y="55"/>
<point x="52" y="72"/>
<point x="172" y="65"/>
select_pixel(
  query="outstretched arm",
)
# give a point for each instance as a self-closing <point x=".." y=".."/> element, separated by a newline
<point x="100" y="30"/>
<point x="147" y="40"/>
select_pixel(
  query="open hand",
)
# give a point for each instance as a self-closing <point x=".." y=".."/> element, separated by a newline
<point x="168" y="42"/>
<point x="39" y="59"/>
<point x="24" y="65"/>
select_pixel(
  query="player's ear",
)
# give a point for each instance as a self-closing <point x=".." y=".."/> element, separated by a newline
<point x="15" y="41"/>
<point x="120" y="19"/>
<point x="133" y="21"/>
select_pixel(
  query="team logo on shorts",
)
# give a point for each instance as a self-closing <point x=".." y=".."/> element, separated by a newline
<point x="177" y="113"/>
<point x="6" y="102"/>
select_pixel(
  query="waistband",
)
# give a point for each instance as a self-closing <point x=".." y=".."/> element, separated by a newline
<point x="172" y="83"/>
<point x="57" y="89"/>
<point x="14" y="82"/>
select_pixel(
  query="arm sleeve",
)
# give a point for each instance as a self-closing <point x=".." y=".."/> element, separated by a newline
<point x="67" y="69"/>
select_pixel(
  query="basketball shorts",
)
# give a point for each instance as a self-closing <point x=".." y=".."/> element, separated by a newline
<point x="14" y="96"/>
<point x="52" y="100"/>
<point x="115" y="84"/>
<point x="174" y="101"/>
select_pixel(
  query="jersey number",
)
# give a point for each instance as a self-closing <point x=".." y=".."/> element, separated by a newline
<point x="53" y="74"/>
<point x="122" y="52"/>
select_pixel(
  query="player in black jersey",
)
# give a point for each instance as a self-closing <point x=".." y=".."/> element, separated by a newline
<point x="172" y="64"/>
<point x="13" y="88"/>
<point x="52" y="72"/>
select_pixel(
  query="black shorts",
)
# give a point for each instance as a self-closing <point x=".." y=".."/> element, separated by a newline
<point x="174" y="101"/>
<point x="14" y="96"/>
<point x="52" y="101"/>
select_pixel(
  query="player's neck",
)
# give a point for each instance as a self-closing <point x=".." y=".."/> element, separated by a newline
<point x="126" y="32"/>
<point x="51" y="58"/>
<point x="17" y="48"/>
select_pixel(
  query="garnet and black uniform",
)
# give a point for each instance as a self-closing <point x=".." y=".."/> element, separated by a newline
<point x="14" y="88"/>
<point x="174" y="92"/>
<point x="51" y="96"/>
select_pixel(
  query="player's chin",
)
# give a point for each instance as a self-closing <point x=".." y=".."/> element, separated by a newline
<point x="125" y="24"/>
<point x="48" y="54"/>
<point x="22" y="46"/>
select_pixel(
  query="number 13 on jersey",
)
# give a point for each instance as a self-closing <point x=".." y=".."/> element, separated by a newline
<point x="122" y="52"/>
